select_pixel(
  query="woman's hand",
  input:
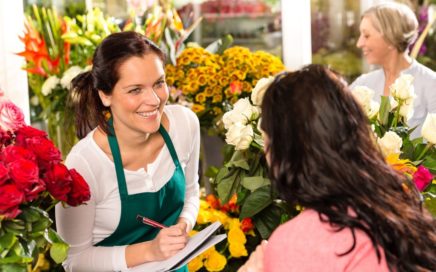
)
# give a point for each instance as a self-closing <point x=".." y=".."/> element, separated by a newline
<point x="169" y="241"/>
<point x="255" y="262"/>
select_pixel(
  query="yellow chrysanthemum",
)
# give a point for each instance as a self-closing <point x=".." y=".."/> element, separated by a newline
<point x="197" y="108"/>
<point x="215" y="262"/>
<point x="237" y="250"/>
<point x="204" y="216"/>
<point x="217" y="98"/>
<point x="196" y="264"/>
<point x="200" y="98"/>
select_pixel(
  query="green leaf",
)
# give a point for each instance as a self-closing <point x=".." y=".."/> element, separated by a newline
<point x="238" y="160"/>
<point x="220" y="45"/>
<point x="228" y="185"/>
<point x="30" y="214"/>
<point x="58" y="252"/>
<point x="256" y="202"/>
<point x="254" y="183"/>
<point x="385" y="107"/>
<point x="7" y="241"/>
<point x="42" y="224"/>
<point x="13" y="267"/>
<point x="430" y="204"/>
<point x="268" y="220"/>
<point x="53" y="237"/>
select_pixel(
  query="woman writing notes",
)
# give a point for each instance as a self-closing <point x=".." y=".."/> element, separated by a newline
<point x="139" y="158"/>
<point x="386" y="32"/>
<point x="358" y="215"/>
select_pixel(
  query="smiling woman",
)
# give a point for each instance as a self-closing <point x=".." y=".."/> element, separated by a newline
<point x="139" y="157"/>
<point x="386" y="32"/>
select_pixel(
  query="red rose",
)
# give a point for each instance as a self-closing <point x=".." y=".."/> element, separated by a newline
<point x="27" y="132"/>
<point x="12" y="153"/>
<point x="11" y="116"/>
<point x="46" y="153"/>
<point x="4" y="174"/>
<point x="79" y="191"/>
<point x="58" y="181"/>
<point x="5" y="137"/>
<point x="422" y="177"/>
<point x="10" y="199"/>
<point x="25" y="174"/>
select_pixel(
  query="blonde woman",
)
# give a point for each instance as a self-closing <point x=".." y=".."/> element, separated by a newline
<point x="386" y="32"/>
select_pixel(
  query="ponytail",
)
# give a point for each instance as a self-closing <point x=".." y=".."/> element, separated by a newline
<point x="88" y="108"/>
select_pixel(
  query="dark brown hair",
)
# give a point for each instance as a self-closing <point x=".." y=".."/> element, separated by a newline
<point x="109" y="55"/>
<point x="323" y="157"/>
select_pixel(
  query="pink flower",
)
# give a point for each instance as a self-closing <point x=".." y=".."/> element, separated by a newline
<point x="422" y="177"/>
<point x="11" y="117"/>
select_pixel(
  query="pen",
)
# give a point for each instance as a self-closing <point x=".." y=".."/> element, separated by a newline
<point x="148" y="221"/>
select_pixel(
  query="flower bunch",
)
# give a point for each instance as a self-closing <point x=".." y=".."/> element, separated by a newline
<point x="212" y="83"/>
<point x="416" y="158"/>
<point x="32" y="180"/>
<point x="241" y="238"/>
<point x="245" y="172"/>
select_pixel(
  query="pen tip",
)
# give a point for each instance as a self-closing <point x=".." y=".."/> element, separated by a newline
<point x="138" y="217"/>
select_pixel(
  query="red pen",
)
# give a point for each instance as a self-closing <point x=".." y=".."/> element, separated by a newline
<point x="148" y="221"/>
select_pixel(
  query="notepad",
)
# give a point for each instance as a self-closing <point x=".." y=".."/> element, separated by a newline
<point x="196" y="245"/>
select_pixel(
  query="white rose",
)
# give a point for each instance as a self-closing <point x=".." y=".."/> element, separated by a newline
<point x="49" y="84"/>
<point x="259" y="90"/>
<point x="374" y="107"/>
<point x="406" y="109"/>
<point x="363" y="95"/>
<point x="232" y="117"/>
<point x="402" y="88"/>
<point x="390" y="143"/>
<point x="69" y="74"/>
<point x="240" y="136"/>
<point x="428" y="130"/>
<point x="244" y="106"/>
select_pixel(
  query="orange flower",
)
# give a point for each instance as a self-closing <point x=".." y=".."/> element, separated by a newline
<point x="213" y="201"/>
<point x="247" y="224"/>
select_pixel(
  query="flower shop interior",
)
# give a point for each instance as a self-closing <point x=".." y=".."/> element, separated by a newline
<point x="220" y="56"/>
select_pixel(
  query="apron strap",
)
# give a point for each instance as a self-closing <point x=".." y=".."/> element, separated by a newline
<point x="170" y="145"/>
<point x="115" y="149"/>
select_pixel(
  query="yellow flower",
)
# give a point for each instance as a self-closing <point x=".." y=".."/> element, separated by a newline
<point x="217" y="98"/>
<point x="197" y="108"/>
<point x="404" y="166"/>
<point x="236" y="236"/>
<point x="200" y="98"/>
<point x="196" y="264"/>
<point x="237" y="250"/>
<point x="204" y="216"/>
<point x="215" y="262"/>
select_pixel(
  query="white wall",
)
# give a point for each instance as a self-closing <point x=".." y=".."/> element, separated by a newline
<point x="13" y="80"/>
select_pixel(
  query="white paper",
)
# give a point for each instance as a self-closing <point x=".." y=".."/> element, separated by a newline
<point x="196" y="245"/>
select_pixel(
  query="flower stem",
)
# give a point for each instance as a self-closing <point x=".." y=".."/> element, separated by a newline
<point x="426" y="148"/>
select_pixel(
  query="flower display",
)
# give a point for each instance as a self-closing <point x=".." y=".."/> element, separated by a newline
<point x="32" y="180"/>
<point x="241" y="237"/>
<point x="416" y="158"/>
<point x="245" y="172"/>
<point x="212" y="83"/>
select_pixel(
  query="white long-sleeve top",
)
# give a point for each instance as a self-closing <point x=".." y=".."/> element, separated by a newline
<point x="424" y="83"/>
<point x="86" y="225"/>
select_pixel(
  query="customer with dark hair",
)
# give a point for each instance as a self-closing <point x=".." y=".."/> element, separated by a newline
<point x="138" y="155"/>
<point x="357" y="215"/>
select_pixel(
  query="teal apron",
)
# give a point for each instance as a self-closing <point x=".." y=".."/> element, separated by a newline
<point x="163" y="206"/>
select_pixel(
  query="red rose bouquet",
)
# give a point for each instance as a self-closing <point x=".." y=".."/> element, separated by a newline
<point x="32" y="181"/>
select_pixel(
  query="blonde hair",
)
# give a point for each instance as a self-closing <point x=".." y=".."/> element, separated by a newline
<point x="396" y="22"/>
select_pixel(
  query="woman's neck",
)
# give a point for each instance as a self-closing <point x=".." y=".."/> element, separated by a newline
<point x="393" y="67"/>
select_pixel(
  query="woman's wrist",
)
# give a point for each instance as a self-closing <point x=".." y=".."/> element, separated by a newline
<point x="139" y="253"/>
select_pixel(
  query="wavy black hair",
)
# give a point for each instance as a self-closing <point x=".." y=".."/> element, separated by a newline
<point x="322" y="156"/>
<point x="109" y="55"/>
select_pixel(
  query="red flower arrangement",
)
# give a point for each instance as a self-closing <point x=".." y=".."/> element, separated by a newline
<point x="33" y="180"/>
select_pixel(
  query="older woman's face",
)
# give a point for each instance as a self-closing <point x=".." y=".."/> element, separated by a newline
<point x="374" y="47"/>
